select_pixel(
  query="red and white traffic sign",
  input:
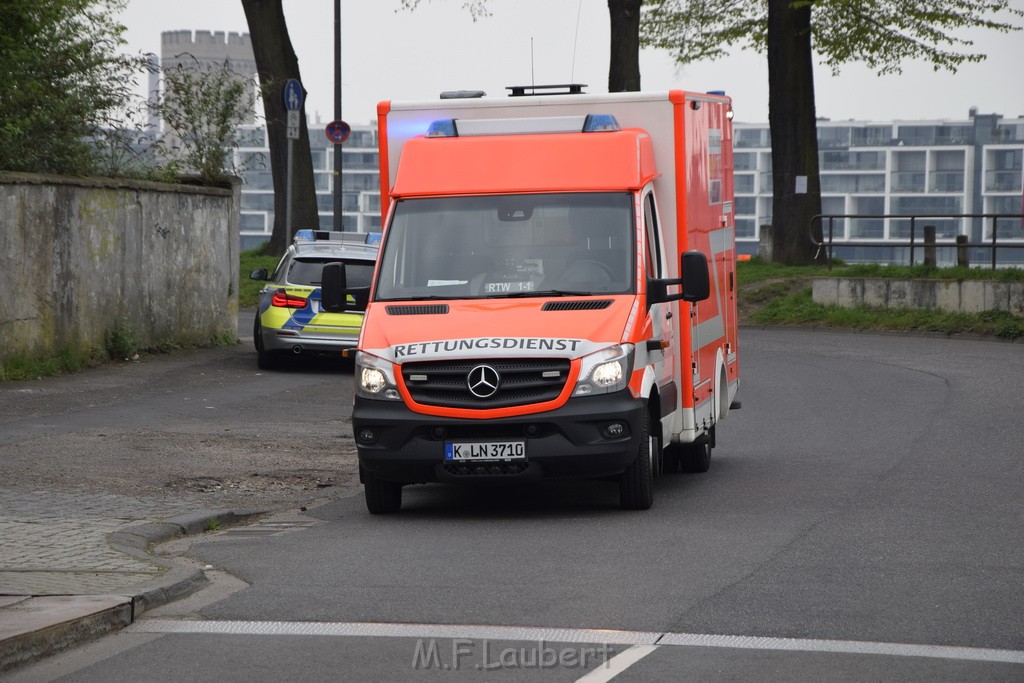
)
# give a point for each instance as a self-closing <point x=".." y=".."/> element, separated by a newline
<point x="338" y="131"/>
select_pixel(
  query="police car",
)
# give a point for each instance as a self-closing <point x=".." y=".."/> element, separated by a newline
<point x="290" y="319"/>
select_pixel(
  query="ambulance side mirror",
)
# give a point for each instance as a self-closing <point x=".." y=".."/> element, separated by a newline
<point x="333" y="294"/>
<point x="334" y="291"/>
<point x="695" y="281"/>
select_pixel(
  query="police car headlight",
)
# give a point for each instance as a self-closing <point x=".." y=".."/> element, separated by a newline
<point x="605" y="371"/>
<point x="375" y="378"/>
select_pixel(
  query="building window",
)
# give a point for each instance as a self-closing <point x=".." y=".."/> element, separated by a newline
<point x="868" y="228"/>
<point x="1006" y="228"/>
<point x="909" y="173"/>
<point x="948" y="175"/>
<point x="744" y="161"/>
<point x="253" y="222"/>
<point x="319" y="158"/>
<point x="927" y="208"/>
<point x="917" y="135"/>
<point x="257" y="201"/>
<point x="257" y="180"/>
<point x="752" y="137"/>
<point x="833" y="136"/>
<point x="744" y="182"/>
<point x="745" y="227"/>
<point x="746" y="206"/>
<point x="371" y="201"/>
<point x="1003" y="170"/>
<point x="871" y="136"/>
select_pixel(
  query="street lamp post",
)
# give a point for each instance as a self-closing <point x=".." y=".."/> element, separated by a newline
<point x="337" y="114"/>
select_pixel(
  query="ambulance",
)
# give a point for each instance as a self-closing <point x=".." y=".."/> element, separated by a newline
<point x="555" y="294"/>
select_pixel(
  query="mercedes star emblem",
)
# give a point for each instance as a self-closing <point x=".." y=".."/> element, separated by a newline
<point x="483" y="381"/>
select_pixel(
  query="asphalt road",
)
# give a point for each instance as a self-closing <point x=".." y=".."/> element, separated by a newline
<point x="861" y="520"/>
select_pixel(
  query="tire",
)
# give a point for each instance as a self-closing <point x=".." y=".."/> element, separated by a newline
<point x="696" y="457"/>
<point x="382" y="497"/>
<point x="636" y="484"/>
<point x="265" y="360"/>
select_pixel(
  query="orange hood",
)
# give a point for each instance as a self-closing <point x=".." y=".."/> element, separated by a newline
<point x="490" y="328"/>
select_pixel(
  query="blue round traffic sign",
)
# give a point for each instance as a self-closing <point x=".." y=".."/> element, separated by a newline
<point x="338" y="131"/>
<point x="292" y="94"/>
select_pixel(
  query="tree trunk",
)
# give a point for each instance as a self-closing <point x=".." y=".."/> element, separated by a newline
<point x="624" y="63"/>
<point x="795" y="182"/>
<point x="276" y="63"/>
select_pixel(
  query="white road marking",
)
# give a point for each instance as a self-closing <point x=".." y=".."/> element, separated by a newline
<point x="381" y="630"/>
<point x="643" y="639"/>
<point x="617" y="664"/>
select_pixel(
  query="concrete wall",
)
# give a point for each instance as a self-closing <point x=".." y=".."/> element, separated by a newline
<point x="968" y="296"/>
<point x="78" y="256"/>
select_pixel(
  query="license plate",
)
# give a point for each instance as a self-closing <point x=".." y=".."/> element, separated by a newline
<point x="486" y="450"/>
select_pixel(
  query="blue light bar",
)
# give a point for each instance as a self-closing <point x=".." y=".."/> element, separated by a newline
<point x="600" y="123"/>
<point x="443" y="128"/>
<point x="373" y="238"/>
<point x="305" y="236"/>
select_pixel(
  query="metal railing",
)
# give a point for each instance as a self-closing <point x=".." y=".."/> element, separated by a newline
<point x="960" y="243"/>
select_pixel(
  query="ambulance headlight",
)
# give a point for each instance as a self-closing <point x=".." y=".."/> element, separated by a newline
<point x="375" y="378"/>
<point x="605" y="371"/>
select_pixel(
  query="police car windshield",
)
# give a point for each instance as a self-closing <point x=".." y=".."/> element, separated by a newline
<point x="307" y="272"/>
<point x="498" y="246"/>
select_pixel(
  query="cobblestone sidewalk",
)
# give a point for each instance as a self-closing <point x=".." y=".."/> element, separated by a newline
<point x="57" y="543"/>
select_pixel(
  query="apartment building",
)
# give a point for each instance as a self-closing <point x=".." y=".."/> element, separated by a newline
<point x="969" y="166"/>
<point x="360" y="186"/>
<point x="964" y="166"/>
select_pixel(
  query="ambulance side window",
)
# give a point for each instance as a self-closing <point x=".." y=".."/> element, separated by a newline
<point x="652" y="248"/>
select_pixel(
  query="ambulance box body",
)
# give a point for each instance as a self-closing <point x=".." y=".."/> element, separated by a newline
<point x="555" y="294"/>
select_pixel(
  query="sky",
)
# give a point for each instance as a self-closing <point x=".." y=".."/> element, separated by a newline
<point x="392" y="54"/>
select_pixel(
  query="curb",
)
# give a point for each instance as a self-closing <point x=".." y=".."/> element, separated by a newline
<point x="33" y="627"/>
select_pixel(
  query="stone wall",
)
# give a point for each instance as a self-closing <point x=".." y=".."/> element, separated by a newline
<point x="967" y="296"/>
<point x="79" y="257"/>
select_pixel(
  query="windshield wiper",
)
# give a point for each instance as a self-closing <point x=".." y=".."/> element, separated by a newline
<point x="539" y="293"/>
<point x="425" y="297"/>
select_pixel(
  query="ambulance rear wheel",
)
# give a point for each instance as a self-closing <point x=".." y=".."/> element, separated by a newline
<point x="382" y="497"/>
<point x="636" y="484"/>
<point x="696" y="457"/>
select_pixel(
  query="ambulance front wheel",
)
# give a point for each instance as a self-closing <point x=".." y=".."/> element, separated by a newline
<point x="382" y="497"/>
<point x="636" y="484"/>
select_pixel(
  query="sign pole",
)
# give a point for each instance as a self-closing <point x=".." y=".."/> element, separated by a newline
<point x="289" y="232"/>
<point x="293" y="96"/>
<point x="338" y="226"/>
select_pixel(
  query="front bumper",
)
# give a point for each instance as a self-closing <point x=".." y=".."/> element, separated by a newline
<point x="408" y="447"/>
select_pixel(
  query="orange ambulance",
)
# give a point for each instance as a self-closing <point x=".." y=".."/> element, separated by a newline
<point x="555" y="294"/>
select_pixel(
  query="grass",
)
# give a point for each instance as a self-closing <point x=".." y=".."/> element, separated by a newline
<point x="120" y="345"/>
<point x="773" y="294"/>
<point x="23" y="367"/>
<point x="249" y="290"/>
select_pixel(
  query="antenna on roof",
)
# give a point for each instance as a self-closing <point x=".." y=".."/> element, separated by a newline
<point x="575" y="38"/>
<point x="533" y="80"/>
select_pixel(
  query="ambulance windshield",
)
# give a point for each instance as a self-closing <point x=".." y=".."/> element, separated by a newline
<point x="509" y="246"/>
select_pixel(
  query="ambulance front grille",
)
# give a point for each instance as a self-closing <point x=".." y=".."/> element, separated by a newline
<point x="522" y="382"/>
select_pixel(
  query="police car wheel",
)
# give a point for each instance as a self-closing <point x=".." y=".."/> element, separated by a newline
<point x="265" y="360"/>
<point x="636" y="484"/>
<point x="382" y="497"/>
